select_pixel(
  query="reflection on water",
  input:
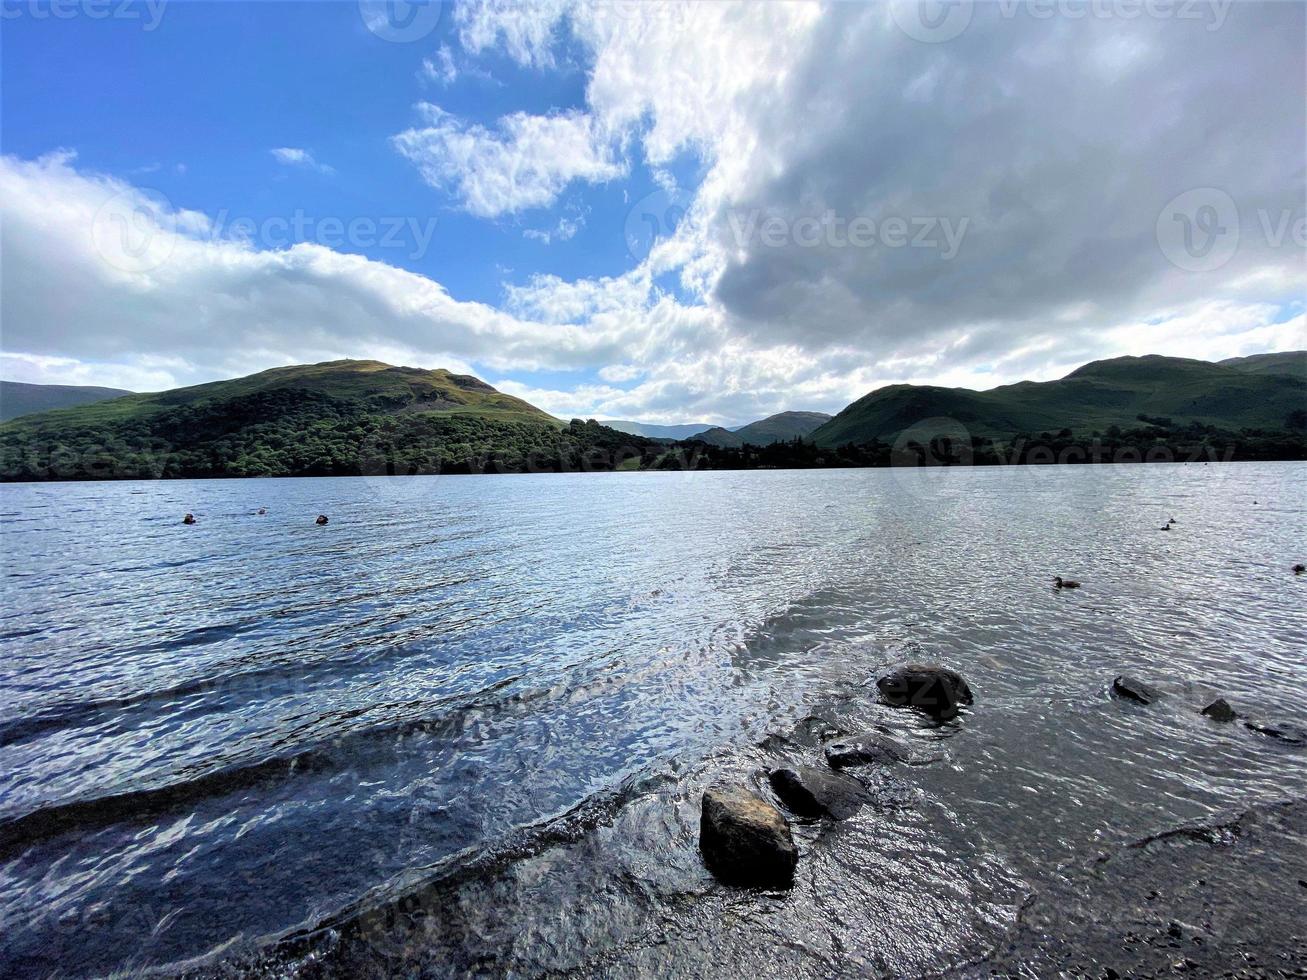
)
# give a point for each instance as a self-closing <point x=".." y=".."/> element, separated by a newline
<point x="467" y="722"/>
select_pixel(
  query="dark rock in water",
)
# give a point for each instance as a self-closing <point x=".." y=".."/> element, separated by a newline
<point x="1134" y="690"/>
<point x="935" y="690"/>
<point x="813" y="793"/>
<point x="1281" y="731"/>
<point x="864" y="749"/>
<point x="745" y="840"/>
<point x="1220" y="710"/>
<point x="813" y="730"/>
<point x="774" y="743"/>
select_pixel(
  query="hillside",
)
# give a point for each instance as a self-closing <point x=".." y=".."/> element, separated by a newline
<point x="655" y="431"/>
<point x="1292" y="362"/>
<point x="780" y="427"/>
<point x="336" y="418"/>
<point x="1091" y="398"/>
<point x="19" y="398"/>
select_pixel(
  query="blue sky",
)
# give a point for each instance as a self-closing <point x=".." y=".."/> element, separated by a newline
<point x="501" y="173"/>
<point x="216" y="85"/>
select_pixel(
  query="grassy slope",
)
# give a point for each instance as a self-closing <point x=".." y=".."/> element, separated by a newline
<point x="387" y="388"/>
<point x="1292" y="362"/>
<point x="1094" y="397"/>
<point x="18" y="398"/>
<point x="336" y="418"/>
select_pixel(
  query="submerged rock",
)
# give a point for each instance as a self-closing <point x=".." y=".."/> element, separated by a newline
<point x="1124" y="686"/>
<point x="874" y="748"/>
<point x="935" y="690"/>
<point x="745" y="840"/>
<point x="813" y="793"/>
<point x="1220" y="710"/>
<point x="814" y="729"/>
<point x="864" y="749"/>
<point x="1281" y="731"/>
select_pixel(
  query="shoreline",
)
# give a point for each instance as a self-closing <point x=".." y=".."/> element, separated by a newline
<point x="932" y="467"/>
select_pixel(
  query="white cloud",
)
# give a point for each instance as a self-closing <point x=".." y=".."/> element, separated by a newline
<point x="99" y="271"/>
<point x="618" y="373"/>
<point x="1024" y="137"/>
<point x="565" y="230"/>
<point x="1034" y="130"/>
<point x="440" y="69"/>
<point x="294" y="156"/>
<point x="526" y="162"/>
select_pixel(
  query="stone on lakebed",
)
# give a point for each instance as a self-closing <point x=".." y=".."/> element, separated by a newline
<point x="864" y="749"/>
<point x="1281" y="731"/>
<point x="745" y="840"/>
<point x="1132" y="689"/>
<point x="811" y="792"/>
<point x="935" y="690"/>
<point x="1220" y="710"/>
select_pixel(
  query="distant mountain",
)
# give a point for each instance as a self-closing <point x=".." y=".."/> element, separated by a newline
<point x="19" y="398"/>
<point x="336" y="418"/>
<point x="1094" y="397"/>
<point x="653" y="431"/>
<point x="775" y="428"/>
<point x="1292" y="362"/>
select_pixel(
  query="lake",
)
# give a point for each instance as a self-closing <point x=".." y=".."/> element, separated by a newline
<point x="463" y="728"/>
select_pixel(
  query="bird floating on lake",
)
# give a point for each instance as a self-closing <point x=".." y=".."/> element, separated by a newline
<point x="1065" y="583"/>
<point x="322" y="519"/>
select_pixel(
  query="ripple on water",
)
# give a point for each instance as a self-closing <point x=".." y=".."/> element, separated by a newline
<point x="467" y="724"/>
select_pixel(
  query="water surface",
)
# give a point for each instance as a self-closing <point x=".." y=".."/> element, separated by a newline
<point x="464" y="726"/>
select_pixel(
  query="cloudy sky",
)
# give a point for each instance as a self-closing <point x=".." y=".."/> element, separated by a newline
<point x="657" y="212"/>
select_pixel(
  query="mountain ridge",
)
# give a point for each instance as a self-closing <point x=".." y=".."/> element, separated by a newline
<point x="653" y="430"/>
<point x="19" y="398"/>
<point x="363" y="417"/>
<point x="347" y="417"/>
<point x="780" y="427"/>
<point x="1093" y="397"/>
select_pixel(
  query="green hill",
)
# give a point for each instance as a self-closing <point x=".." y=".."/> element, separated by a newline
<point x="1091" y="398"/>
<point x="1292" y="362"/>
<point x="775" y="428"/>
<point x="336" y="418"/>
<point x="19" y="398"/>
